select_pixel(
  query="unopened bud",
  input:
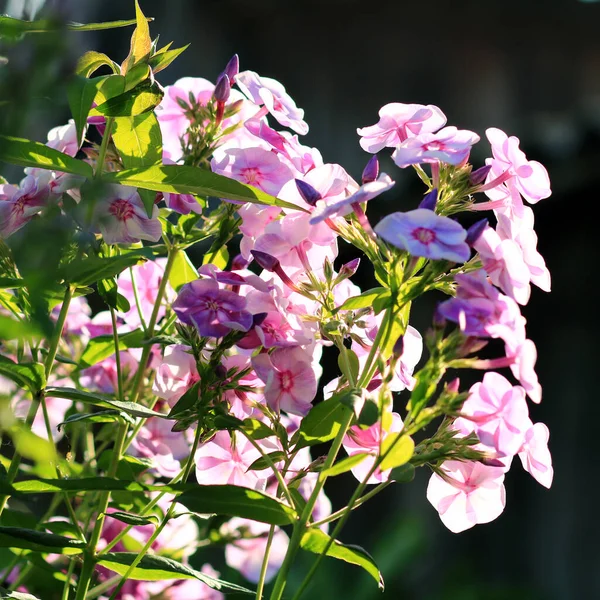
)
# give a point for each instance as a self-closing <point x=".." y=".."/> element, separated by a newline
<point x="477" y="177"/>
<point x="239" y="263"/>
<point x="430" y="200"/>
<point x="222" y="89"/>
<point x="475" y="231"/>
<point x="308" y="192"/>
<point x="233" y="67"/>
<point x="265" y="261"/>
<point x="220" y="371"/>
<point x="348" y="269"/>
<point x="453" y="386"/>
<point x="371" y="171"/>
<point x="492" y="462"/>
<point x="398" y="347"/>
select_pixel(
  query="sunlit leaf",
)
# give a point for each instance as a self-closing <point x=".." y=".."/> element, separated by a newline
<point x="402" y="448"/>
<point x="344" y="465"/>
<point x="323" y="422"/>
<point x="91" y="61"/>
<point x="183" y="271"/>
<point x="29" y="539"/>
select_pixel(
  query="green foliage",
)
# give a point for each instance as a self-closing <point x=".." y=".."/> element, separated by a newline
<point x="398" y="449"/>
<point x="103" y="346"/>
<point x="26" y="375"/>
<point x="29" y="539"/>
<point x="183" y="271"/>
<point x="323" y="422"/>
<point x="344" y="465"/>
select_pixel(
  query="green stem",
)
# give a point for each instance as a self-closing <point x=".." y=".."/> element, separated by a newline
<point x="265" y="564"/>
<point x="113" y="318"/>
<point x="103" y="148"/>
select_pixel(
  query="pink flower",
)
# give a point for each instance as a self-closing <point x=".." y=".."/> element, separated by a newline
<point x="176" y="373"/>
<point x="528" y="177"/>
<point x="290" y="379"/>
<point x="423" y="233"/>
<point x="64" y="138"/>
<point x="225" y="460"/>
<point x="123" y="219"/>
<point x="183" y="204"/>
<point x="246" y="554"/>
<point x="503" y="261"/>
<point x="18" y="205"/>
<point x="449" y="145"/>
<point x="467" y="494"/>
<point x="78" y="316"/>
<point x="102" y="376"/>
<point x="497" y="412"/>
<point x="183" y="589"/>
<point x="523" y="367"/>
<point x="368" y="441"/>
<point x="165" y="448"/>
<point x="267" y="91"/>
<point x="535" y="456"/>
<point x="397" y="122"/>
<point x="254" y="166"/>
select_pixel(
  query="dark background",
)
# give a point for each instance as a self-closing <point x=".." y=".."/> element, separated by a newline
<point x="529" y="67"/>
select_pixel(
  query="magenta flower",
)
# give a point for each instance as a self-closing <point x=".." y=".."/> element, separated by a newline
<point x="535" y="456"/>
<point x="123" y="219"/>
<point x="503" y="262"/>
<point x="497" y="412"/>
<point x="246" y="554"/>
<point x="368" y="441"/>
<point x="267" y="91"/>
<point x="290" y="379"/>
<point x="254" y="166"/>
<point x="341" y="208"/>
<point x="449" y="145"/>
<point x="225" y="460"/>
<point x="467" y="494"/>
<point x="398" y="122"/>
<point x="213" y="311"/>
<point x="423" y="233"/>
<point x="183" y="204"/>
<point x="176" y="373"/>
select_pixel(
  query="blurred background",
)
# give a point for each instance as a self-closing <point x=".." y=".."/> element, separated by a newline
<point x="531" y="68"/>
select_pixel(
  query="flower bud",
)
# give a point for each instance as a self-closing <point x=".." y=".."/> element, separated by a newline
<point x="222" y="89"/>
<point x="371" y="171"/>
<point x="478" y="177"/>
<point x="239" y="263"/>
<point x="453" y="386"/>
<point x="348" y="269"/>
<point x="220" y="371"/>
<point x="475" y="231"/>
<point x="265" y="261"/>
<point x="233" y="67"/>
<point x="398" y="347"/>
<point x="308" y="192"/>
<point x="430" y="200"/>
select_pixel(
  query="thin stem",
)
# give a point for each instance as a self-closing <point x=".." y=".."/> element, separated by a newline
<point x="265" y="563"/>
<point x="67" y="587"/>
<point x="103" y="148"/>
<point x="113" y="318"/>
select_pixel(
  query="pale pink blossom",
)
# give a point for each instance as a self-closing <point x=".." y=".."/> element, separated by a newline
<point x="183" y="204"/>
<point x="103" y="376"/>
<point x="503" y="261"/>
<point x="78" y="316"/>
<point x="225" y="460"/>
<point x="18" y="205"/>
<point x="368" y="441"/>
<point x="64" y="138"/>
<point x="290" y="379"/>
<point x="497" y="413"/>
<point x="535" y="456"/>
<point x="246" y="554"/>
<point x="524" y="355"/>
<point x="398" y="122"/>
<point x="467" y="494"/>
<point x="122" y="217"/>
<point x="176" y="373"/>
<point x="267" y="91"/>
<point x="254" y="166"/>
<point x="449" y="145"/>
<point x="182" y="589"/>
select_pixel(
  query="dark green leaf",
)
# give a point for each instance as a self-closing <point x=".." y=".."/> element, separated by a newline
<point x="180" y="179"/>
<point x="364" y="300"/>
<point x="132" y="519"/>
<point x="29" y="539"/>
<point x="351" y="367"/>
<point x="103" y="346"/>
<point x="103" y="416"/>
<point x="157" y="568"/>
<point x="262" y="463"/>
<point x="107" y="288"/>
<point x="11" y="283"/>
<point x="187" y="401"/>
<point x="30" y="375"/>
<point x="403" y="474"/>
<point x="25" y="153"/>
<point x="11" y="329"/>
<point x="81" y="93"/>
<point x="315" y="540"/>
<point x="235" y="501"/>
<point x="323" y="422"/>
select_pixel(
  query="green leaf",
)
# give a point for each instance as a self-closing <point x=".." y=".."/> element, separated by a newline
<point x="11" y="329"/>
<point x="31" y="446"/>
<point x="11" y="283"/>
<point x="133" y="519"/>
<point x="135" y="76"/>
<point x="108" y="289"/>
<point x="315" y="540"/>
<point x="162" y="59"/>
<point x="30" y="375"/>
<point x="402" y="449"/>
<point x="103" y="346"/>
<point x="100" y="26"/>
<point x="344" y="465"/>
<point x="403" y="474"/>
<point x="399" y="325"/>
<point x="81" y="93"/>
<point x="235" y="501"/>
<point x="351" y="368"/>
<point x="29" y="539"/>
<point x="139" y="143"/>
<point x="140" y="42"/>
<point x="157" y="568"/>
<point x="262" y="463"/>
<point x="364" y="300"/>
<point x="180" y="179"/>
<point x="25" y="153"/>
<point x="103" y="416"/>
<point x="131" y="408"/>
<point x="91" y="61"/>
<point x="137" y="101"/>
<point x="6" y="595"/>
<point x="323" y="422"/>
<point x="183" y="271"/>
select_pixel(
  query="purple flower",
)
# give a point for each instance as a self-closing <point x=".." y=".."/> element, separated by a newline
<point x="213" y="311"/>
<point x="423" y="233"/>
